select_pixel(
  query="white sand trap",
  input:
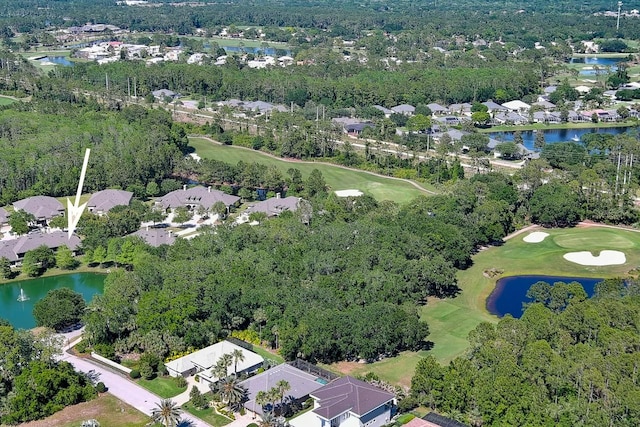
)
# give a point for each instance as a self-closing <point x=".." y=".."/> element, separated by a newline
<point x="605" y="258"/>
<point x="535" y="237"/>
<point x="349" y="193"/>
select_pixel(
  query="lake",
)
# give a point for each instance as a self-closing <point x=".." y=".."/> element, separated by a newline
<point x="511" y="292"/>
<point x="19" y="314"/>
<point x="557" y="135"/>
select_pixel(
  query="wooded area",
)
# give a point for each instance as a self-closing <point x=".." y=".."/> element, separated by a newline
<point x="577" y="366"/>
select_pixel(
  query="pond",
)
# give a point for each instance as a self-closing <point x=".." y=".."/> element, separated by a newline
<point x="511" y="292"/>
<point x="19" y="313"/>
<point x="602" y="62"/>
<point x="557" y="135"/>
<point x="58" y="60"/>
<point x="266" y="51"/>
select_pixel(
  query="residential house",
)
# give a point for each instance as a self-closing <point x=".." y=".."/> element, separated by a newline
<point x="544" y="104"/>
<point x="550" y="89"/>
<point x="195" y="197"/>
<point x="437" y="109"/>
<point x="356" y="129"/>
<point x="493" y="107"/>
<point x="43" y="208"/>
<point x="155" y="236"/>
<point x="462" y="109"/>
<point x="405" y="109"/>
<point x="517" y="106"/>
<point x="203" y="361"/>
<point x="546" y="117"/>
<point x="301" y="385"/>
<point x="15" y="249"/>
<point x="161" y="94"/>
<point x="275" y="205"/>
<point x="103" y="201"/>
<point x="387" y="112"/>
<point x="509" y="117"/>
<point x="348" y="402"/>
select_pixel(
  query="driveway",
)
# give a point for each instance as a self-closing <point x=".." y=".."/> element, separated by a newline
<point x="122" y="388"/>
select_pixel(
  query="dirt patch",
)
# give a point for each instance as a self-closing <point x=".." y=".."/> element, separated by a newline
<point x="346" y="368"/>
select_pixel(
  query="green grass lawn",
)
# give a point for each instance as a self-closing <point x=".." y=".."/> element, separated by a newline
<point x="4" y="100"/>
<point x="208" y="415"/>
<point x="380" y="187"/>
<point x="162" y="386"/>
<point x="451" y="320"/>
<point x="266" y="354"/>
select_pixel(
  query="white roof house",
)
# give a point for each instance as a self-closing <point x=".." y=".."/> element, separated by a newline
<point x="202" y="361"/>
<point x="517" y="105"/>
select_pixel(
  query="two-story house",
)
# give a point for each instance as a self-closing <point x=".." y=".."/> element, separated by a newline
<point x="348" y="402"/>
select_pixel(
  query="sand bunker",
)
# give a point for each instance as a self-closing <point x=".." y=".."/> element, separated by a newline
<point x="535" y="237"/>
<point x="348" y="193"/>
<point x="605" y="258"/>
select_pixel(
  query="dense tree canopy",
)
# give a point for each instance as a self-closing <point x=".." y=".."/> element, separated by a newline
<point x="575" y="363"/>
<point x="59" y="308"/>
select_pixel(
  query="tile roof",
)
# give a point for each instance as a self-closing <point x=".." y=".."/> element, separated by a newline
<point x="301" y="382"/>
<point x="104" y="200"/>
<point x="349" y="394"/>
<point x="155" y="236"/>
<point x="14" y="249"/>
<point x="275" y="205"/>
<point x="199" y="195"/>
<point x="40" y="206"/>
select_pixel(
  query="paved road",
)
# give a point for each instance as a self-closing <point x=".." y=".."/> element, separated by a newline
<point x="122" y="388"/>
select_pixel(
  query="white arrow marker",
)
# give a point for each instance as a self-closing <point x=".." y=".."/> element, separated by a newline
<point x="74" y="211"/>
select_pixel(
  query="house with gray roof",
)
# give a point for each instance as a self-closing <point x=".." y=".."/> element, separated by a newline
<point x="348" y="402"/>
<point x="464" y="108"/>
<point x="197" y="196"/>
<point x="164" y="93"/>
<point x="387" y="112"/>
<point x="4" y="216"/>
<point x="438" y="109"/>
<point x="510" y="117"/>
<point x="492" y="106"/>
<point x="101" y="202"/>
<point x="302" y="384"/>
<point x="405" y="109"/>
<point x="43" y="208"/>
<point x="547" y="105"/>
<point x="15" y="249"/>
<point x="275" y="205"/>
<point x="258" y="106"/>
<point x="155" y="236"/>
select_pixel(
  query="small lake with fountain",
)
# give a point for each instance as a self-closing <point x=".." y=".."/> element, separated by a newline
<point x="511" y="292"/>
<point x="19" y="313"/>
<point x="552" y="136"/>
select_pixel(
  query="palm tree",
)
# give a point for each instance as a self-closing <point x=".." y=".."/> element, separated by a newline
<point x="226" y="360"/>
<point x="232" y="393"/>
<point x="262" y="399"/>
<point x="238" y="356"/>
<point x="283" y="386"/>
<point x="166" y="413"/>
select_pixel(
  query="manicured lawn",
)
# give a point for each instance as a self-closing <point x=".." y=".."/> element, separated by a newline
<point x="208" y="415"/>
<point x="6" y="101"/>
<point x="108" y="410"/>
<point x="380" y="187"/>
<point x="162" y="386"/>
<point x="451" y="320"/>
<point x="267" y="354"/>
